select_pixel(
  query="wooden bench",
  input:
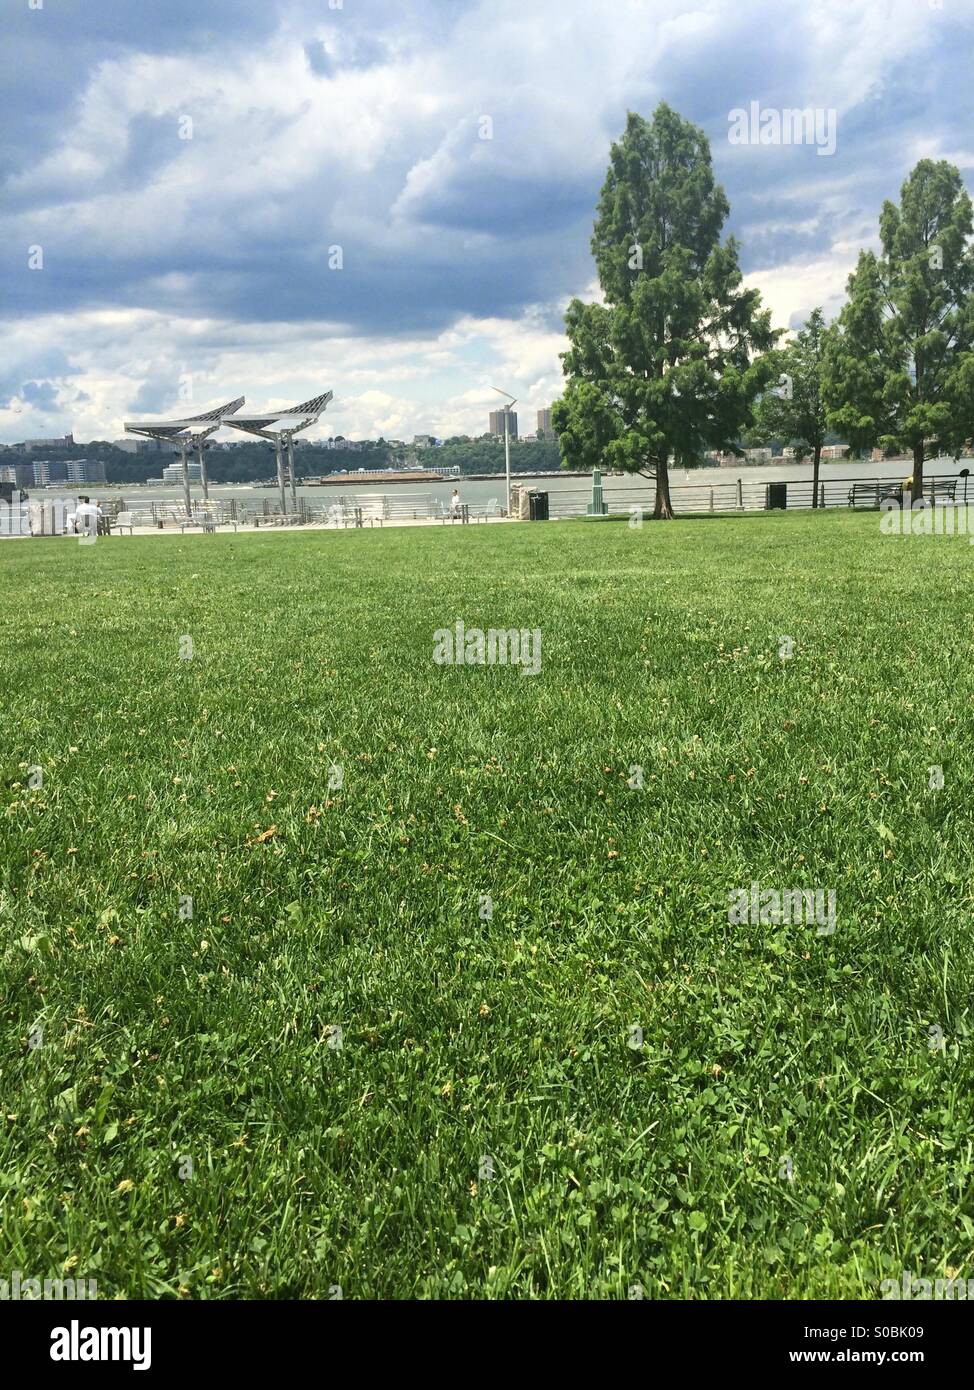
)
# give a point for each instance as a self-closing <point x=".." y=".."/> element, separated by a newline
<point x="873" y="495"/>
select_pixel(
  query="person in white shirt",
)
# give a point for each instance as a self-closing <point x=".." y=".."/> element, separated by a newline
<point x="87" y="518"/>
<point x="455" y="504"/>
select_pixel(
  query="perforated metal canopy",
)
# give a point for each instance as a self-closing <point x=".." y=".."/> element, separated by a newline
<point x="190" y="427"/>
<point x="289" y="419"/>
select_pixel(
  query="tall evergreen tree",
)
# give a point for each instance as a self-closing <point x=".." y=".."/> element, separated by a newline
<point x="898" y="366"/>
<point x="668" y="366"/>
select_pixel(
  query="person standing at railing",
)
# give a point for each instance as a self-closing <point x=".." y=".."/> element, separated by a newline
<point x="455" y="505"/>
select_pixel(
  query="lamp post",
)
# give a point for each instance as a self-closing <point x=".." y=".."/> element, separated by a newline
<point x="507" y="440"/>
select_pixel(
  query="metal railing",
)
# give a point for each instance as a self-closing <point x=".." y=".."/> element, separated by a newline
<point x="333" y="508"/>
<point x="721" y="497"/>
<point x="14" y="519"/>
<point x="695" y="499"/>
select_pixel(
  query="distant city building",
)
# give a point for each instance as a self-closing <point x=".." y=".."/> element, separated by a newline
<point x="173" y="473"/>
<point x="545" y="428"/>
<point x="758" y="455"/>
<point x="20" y="473"/>
<point x="144" y="446"/>
<point x="424" y="441"/>
<point x="497" y="418"/>
<point x="53" y="471"/>
<point x="834" y="451"/>
<point x="84" y="470"/>
<point x="66" y="443"/>
<point x="48" y="471"/>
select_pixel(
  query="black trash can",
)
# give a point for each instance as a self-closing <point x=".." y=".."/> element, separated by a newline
<point x="539" y="506"/>
<point x="777" y="497"/>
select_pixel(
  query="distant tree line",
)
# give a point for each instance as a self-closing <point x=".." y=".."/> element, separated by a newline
<point x="254" y="462"/>
<point x="483" y="456"/>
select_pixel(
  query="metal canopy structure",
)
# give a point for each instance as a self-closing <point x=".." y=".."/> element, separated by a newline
<point x="280" y="426"/>
<point x="190" y="432"/>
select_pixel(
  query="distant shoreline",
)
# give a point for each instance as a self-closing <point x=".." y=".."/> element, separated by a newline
<point x="345" y="479"/>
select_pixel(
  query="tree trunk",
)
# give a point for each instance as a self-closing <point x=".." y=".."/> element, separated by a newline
<point x="815" y="464"/>
<point x="917" y="489"/>
<point x="663" y="510"/>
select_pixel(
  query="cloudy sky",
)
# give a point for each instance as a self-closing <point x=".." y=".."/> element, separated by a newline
<point x="178" y="173"/>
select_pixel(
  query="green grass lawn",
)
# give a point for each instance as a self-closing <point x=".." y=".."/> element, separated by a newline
<point x="482" y="1125"/>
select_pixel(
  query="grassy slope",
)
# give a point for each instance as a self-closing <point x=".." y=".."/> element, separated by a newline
<point x="316" y="1166"/>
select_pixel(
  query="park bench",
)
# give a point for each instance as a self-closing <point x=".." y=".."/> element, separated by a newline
<point x="462" y="514"/>
<point x="485" y="512"/>
<point x="873" y="495"/>
<point x="128" y="520"/>
<point x="338" y="515"/>
<point x="943" y="490"/>
<point x="205" y="523"/>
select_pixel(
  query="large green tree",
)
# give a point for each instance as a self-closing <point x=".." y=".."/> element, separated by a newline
<point x="898" y="367"/>
<point x="793" y="410"/>
<point x="669" y="365"/>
